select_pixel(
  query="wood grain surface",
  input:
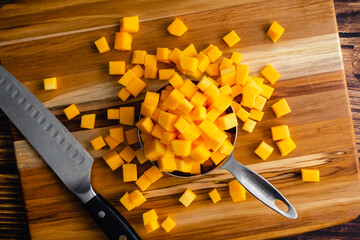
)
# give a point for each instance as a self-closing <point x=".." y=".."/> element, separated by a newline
<point x="38" y="40"/>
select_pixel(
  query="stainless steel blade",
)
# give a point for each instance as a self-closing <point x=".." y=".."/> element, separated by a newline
<point x="51" y="139"/>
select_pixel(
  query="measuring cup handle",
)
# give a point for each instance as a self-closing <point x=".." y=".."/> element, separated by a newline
<point x="258" y="187"/>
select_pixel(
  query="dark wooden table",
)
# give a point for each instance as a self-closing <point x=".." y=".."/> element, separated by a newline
<point x="13" y="221"/>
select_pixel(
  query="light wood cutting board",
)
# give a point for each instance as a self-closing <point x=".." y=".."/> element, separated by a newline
<point x="43" y="39"/>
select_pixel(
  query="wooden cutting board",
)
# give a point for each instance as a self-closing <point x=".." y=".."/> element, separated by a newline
<point x="40" y="40"/>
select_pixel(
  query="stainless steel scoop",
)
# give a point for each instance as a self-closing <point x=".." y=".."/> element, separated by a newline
<point x="258" y="186"/>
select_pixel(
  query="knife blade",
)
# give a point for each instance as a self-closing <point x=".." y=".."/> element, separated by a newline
<point x="61" y="151"/>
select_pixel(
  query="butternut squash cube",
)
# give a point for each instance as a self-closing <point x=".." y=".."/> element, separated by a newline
<point x="50" y="83"/>
<point x="162" y="54"/>
<point x="150" y="60"/>
<point x="88" y="121"/>
<point x="275" y="31"/>
<point x="176" y="81"/>
<point x="152" y="98"/>
<point x="242" y="72"/>
<point x="174" y="99"/>
<point x="165" y="74"/>
<point x="222" y="102"/>
<point x="270" y="74"/>
<point x="228" y="76"/>
<point x="226" y="148"/>
<point x="129" y="172"/>
<point x="124" y="94"/>
<point x="214" y="54"/>
<point x="192" y="133"/>
<point x="280" y="132"/>
<point x="236" y="106"/>
<point x="212" y="69"/>
<point x="71" y="111"/>
<point x="111" y="142"/>
<point x="185" y="106"/>
<point x="286" y="146"/>
<point x="153" y="174"/>
<point x="123" y="41"/>
<point x="132" y="136"/>
<point x="310" y="175"/>
<point x="168" y="224"/>
<point x="207" y="49"/>
<point x="167" y="164"/>
<point x="183" y="166"/>
<point x="225" y="63"/>
<point x="152" y="226"/>
<point x="164" y="94"/>
<point x="177" y="27"/>
<point x="236" y="90"/>
<point x="212" y="93"/>
<point x="248" y="99"/>
<point x="200" y="153"/>
<point x="117" y="67"/>
<point x="195" y="168"/>
<point x="259" y="102"/>
<point x="136" y="86"/>
<point x="249" y="125"/>
<point x="167" y="137"/>
<point x="98" y="143"/>
<point x="188" y="64"/>
<point x="281" y="108"/>
<point x="217" y="157"/>
<point x="112" y="114"/>
<point x="237" y="192"/>
<point x="204" y="83"/>
<point x="128" y="154"/>
<point x="147" y="110"/>
<point x="190" y="51"/>
<point x="187" y="197"/>
<point x="138" y="57"/>
<point x="227" y="121"/>
<point x="127" y="78"/>
<point x="117" y="133"/>
<point x="266" y="91"/>
<point x="129" y="24"/>
<point x="256" y="115"/>
<point x="252" y="86"/>
<point x="138" y="70"/>
<point x="167" y="120"/>
<point x="143" y="182"/>
<point x="126" y="202"/>
<point x="149" y="216"/>
<point x="264" y="150"/>
<point x="213" y="114"/>
<point x="203" y="62"/>
<point x="175" y="56"/>
<point x="181" y="125"/>
<point x="199" y="113"/>
<point x="102" y="45"/>
<point x="137" y="198"/>
<point x="258" y="80"/>
<point x="216" y="140"/>
<point x="214" y="195"/>
<point x="113" y="160"/>
<point x="231" y="38"/>
<point x="208" y="127"/>
<point x="127" y="115"/>
<point x="140" y="156"/>
<point x="181" y="147"/>
<point x="226" y="89"/>
<point x="236" y="57"/>
<point x="198" y="99"/>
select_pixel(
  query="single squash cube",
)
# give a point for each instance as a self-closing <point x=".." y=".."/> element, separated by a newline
<point x="124" y="94"/>
<point x="112" y="114"/>
<point x="162" y="54"/>
<point x="212" y="93"/>
<point x="248" y="99"/>
<point x="102" y="45"/>
<point x="153" y="174"/>
<point x="190" y="51"/>
<point x="71" y="111"/>
<point x="217" y="157"/>
<point x="129" y="172"/>
<point x="152" y="98"/>
<point x="242" y="72"/>
<point x="237" y="192"/>
<point x="129" y="24"/>
<point x="177" y="27"/>
<point x="175" y="55"/>
<point x="214" y="195"/>
<point x="275" y="31"/>
<point x="176" y="81"/>
<point x="281" y="108"/>
<point x="167" y="137"/>
<point x="167" y="164"/>
<point x="181" y="125"/>
<point x="150" y="216"/>
<point x="310" y="175"/>
<point x="213" y="114"/>
<point x="98" y="143"/>
<point x="88" y="121"/>
<point x="208" y="48"/>
<point x="147" y="110"/>
<point x="198" y="99"/>
<point x="236" y="106"/>
<point x="126" y="202"/>
<point x="227" y="121"/>
<point x="204" y="83"/>
<point x="249" y="125"/>
<point x="188" y="89"/>
<point x="228" y="76"/>
<point x="236" y="57"/>
<point x="259" y="81"/>
<point x="214" y="54"/>
<point x="208" y="127"/>
<point x="226" y="89"/>
<point x="111" y="142"/>
<point x="212" y="70"/>
<point x="286" y="146"/>
<point x="187" y="197"/>
<point x="113" y="160"/>
<point x="143" y="182"/>
<point x="253" y="87"/>
<point x="183" y="166"/>
<point x="236" y="90"/>
<point x="203" y="62"/>
<point x="225" y="63"/>
<point x="256" y="114"/>
<point x="140" y="156"/>
<point x="174" y="99"/>
<point x="123" y="41"/>
<point x="222" y="102"/>
<point x="165" y="74"/>
<point x="181" y="147"/>
<point x="50" y="83"/>
<point x="259" y="102"/>
<point x="270" y="74"/>
<point x="128" y="154"/>
<point x="192" y="133"/>
<point x="117" y="67"/>
<point x="216" y="140"/>
<point x="127" y="115"/>
<point x="188" y="64"/>
<point x="280" y="132"/>
<point x="231" y="38"/>
<point x="132" y="136"/>
<point x="242" y="114"/>
<point x="152" y="226"/>
<point x="195" y="168"/>
<point x="168" y="224"/>
<point x="137" y="198"/>
<point x="226" y="147"/>
<point x="184" y="106"/>
<point x="138" y="70"/>
<point x="264" y="150"/>
<point x="127" y="78"/>
<point x="145" y="125"/>
<point x="136" y="86"/>
<point x="266" y="91"/>
<point x="138" y="57"/>
<point x="154" y="149"/>
<point x="167" y="120"/>
<point x="117" y="133"/>
<point x="150" y="60"/>
<point x="199" y="113"/>
<point x="200" y="153"/>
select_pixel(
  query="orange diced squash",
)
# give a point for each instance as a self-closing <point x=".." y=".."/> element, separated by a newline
<point x="259" y="102"/>
<point x="117" y="133"/>
<point x="98" y="143"/>
<point x="199" y="113"/>
<point x="88" y="121"/>
<point x="152" y="98"/>
<point x="190" y="51"/>
<point x="185" y="106"/>
<point x="117" y="67"/>
<point x="188" y="89"/>
<point x="123" y="41"/>
<point x="137" y="198"/>
<point x="188" y="64"/>
<point x="147" y="110"/>
<point x="102" y="45"/>
<point x="204" y="84"/>
<point x="226" y="89"/>
<point x="152" y="226"/>
<point x="124" y="94"/>
<point x="177" y="27"/>
<point x="167" y="120"/>
<point x="138" y="57"/>
<point x="136" y="86"/>
<point x="129" y="172"/>
<point x="213" y="114"/>
<point x="113" y="160"/>
<point x="212" y="69"/>
<point x="275" y="31"/>
<point x="181" y="125"/>
<point x="181" y="147"/>
<point x="236" y="57"/>
<point x="310" y="175"/>
<point x="281" y="108"/>
<point x="71" y="111"/>
<point x="153" y="174"/>
<point x="214" y="54"/>
<point x="225" y="63"/>
<point x="128" y="154"/>
<point x="50" y="83"/>
<point x="187" y="197"/>
<point x="264" y="150"/>
<point x="112" y="114"/>
<point x="143" y="182"/>
<point x="167" y="164"/>
<point x="256" y="114"/>
<point x="249" y="125"/>
<point x="150" y="216"/>
<point x="154" y="150"/>
<point x="266" y="91"/>
<point x="140" y="156"/>
<point x="127" y="78"/>
<point x="231" y="38"/>
<point x="183" y="166"/>
<point x="236" y="106"/>
<point x="157" y="131"/>
<point x="280" y="132"/>
<point x="248" y="99"/>
<point x="192" y="133"/>
<point x="127" y="115"/>
<point x="270" y="74"/>
<point x="222" y="102"/>
<point x="138" y="70"/>
<point x="198" y="99"/>
<point x="217" y="157"/>
<point x="286" y="146"/>
<point x="111" y="142"/>
<point x="132" y="136"/>
<point x="162" y="54"/>
<point x="237" y="192"/>
<point x="167" y="137"/>
<point x="126" y="202"/>
<point x="168" y="224"/>
<point x="242" y="114"/>
<point x="175" y="55"/>
<point x="208" y="127"/>
<point x="228" y="76"/>
<point x="200" y="153"/>
<point x="214" y="195"/>
<point x="145" y="125"/>
<point x="227" y="121"/>
<point x="226" y="148"/>
<point x="174" y="99"/>
<point x="203" y="62"/>
<point x="165" y="74"/>
<point x="129" y="24"/>
<point x="176" y="81"/>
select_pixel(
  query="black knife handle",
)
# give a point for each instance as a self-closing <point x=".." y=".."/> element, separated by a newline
<point x="110" y="220"/>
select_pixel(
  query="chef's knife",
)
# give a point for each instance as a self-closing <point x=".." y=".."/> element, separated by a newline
<point x="61" y="151"/>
